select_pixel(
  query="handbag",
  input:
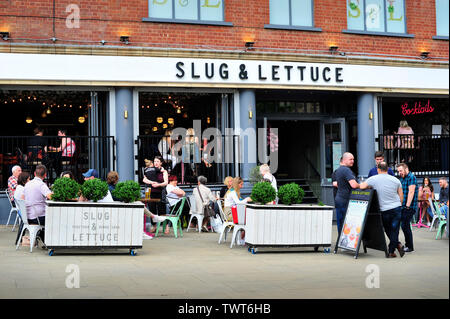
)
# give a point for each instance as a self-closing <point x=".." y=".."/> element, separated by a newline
<point x="208" y="209"/>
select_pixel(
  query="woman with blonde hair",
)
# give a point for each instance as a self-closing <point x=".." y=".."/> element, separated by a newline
<point x="227" y="185"/>
<point x="233" y="197"/>
<point x="405" y="142"/>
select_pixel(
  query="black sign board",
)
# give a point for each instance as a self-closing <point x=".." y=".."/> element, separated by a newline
<point x="362" y="224"/>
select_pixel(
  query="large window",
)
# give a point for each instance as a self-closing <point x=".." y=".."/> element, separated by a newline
<point x="187" y="11"/>
<point x="442" y="18"/>
<point x="295" y="14"/>
<point x="376" y="16"/>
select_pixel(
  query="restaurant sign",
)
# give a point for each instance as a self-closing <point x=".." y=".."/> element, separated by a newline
<point x="418" y="108"/>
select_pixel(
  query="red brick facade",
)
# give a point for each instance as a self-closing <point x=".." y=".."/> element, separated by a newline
<point x="108" y="19"/>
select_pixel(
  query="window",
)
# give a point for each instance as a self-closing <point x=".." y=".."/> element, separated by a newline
<point x="376" y="16"/>
<point x="187" y="11"/>
<point x="442" y="18"/>
<point x="292" y="14"/>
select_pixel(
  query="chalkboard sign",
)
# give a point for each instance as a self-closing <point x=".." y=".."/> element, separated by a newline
<point x="362" y="224"/>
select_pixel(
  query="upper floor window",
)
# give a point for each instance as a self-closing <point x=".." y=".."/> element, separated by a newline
<point x="187" y="11"/>
<point x="295" y="13"/>
<point x="442" y="18"/>
<point x="380" y="16"/>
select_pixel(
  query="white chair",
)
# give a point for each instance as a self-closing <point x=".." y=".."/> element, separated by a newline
<point x="32" y="229"/>
<point x="192" y="212"/>
<point x="226" y="225"/>
<point x="241" y="225"/>
<point x="14" y="209"/>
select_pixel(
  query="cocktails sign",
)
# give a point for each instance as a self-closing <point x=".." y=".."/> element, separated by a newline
<point x="417" y="109"/>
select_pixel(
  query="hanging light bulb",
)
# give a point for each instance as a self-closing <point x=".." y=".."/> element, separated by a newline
<point x="154" y="129"/>
<point x="159" y="119"/>
<point x="81" y="119"/>
<point x="29" y="120"/>
<point x="48" y="111"/>
<point x="170" y="121"/>
<point x="178" y="110"/>
<point x="185" y="115"/>
<point x="164" y="125"/>
<point x="208" y="120"/>
<point x="44" y="115"/>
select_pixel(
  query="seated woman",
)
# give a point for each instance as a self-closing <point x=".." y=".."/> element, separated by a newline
<point x="68" y="174"/>
<point x="24" y="178"/>
<point x="202" y="195"/>
<point x="174" y="196"/>
<point x="233" y="197"/>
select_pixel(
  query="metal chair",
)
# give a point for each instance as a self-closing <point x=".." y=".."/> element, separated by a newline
<point x="174" y="218"/>
<point x="226" y="225"/>
<point x="241" y="223"/>
<point x="32" y="229"/>
<point x="13" y="209"/>
<point x="192" y="211"/>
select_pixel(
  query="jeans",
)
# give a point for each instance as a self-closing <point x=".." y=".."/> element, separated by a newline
<point x="407" y="214"/>
<point x="444" y="210"/>
<point x="391" y="224"/>
<point x="341" y="209"/>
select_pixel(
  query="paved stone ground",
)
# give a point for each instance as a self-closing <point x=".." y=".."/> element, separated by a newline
<point x="195" y="266"/>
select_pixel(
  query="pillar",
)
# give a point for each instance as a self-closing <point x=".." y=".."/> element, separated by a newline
<point x="247" y="123"/>
<point x="366" y="137"/>
<point x="124" y="133"/>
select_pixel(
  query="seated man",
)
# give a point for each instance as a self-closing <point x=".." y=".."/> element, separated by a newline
<point x="36" y="193"/>
<point x="12" y="181"/>
<point x="443" y="196"/>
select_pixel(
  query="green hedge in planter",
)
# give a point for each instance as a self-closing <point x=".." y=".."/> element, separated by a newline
<point x="128" y="191"/>
<point x="65" y="189"/>
<point x="290" y="194"/>
<point x="94" y="189"/>
<point x="263" y="193"/>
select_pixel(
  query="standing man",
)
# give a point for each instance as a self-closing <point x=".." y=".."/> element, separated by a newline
<point x="346" y="181"/>
<point x="12" y="181"/>
<point x="390" y="198"/>
<point x="443" y="195"/>
<point x="36" y="193"/>
<point x="379" y="157"/>
<point x="409" y="205"/>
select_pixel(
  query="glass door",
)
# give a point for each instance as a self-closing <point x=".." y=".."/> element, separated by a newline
<point x="333" y="145"/>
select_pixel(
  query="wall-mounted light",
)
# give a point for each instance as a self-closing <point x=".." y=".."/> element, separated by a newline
<point x="249" y="45"/>
<point x="333" y="48"/>
<point x="424" y="55"/>
<point x="125" y="114"/>
<point x="102" y="42"/>
<point x="29" y="120"/>
<point x="370" y="116"/>
<point x="125" y="39"/>
<point x="54" y="39"/>
<point x="159" y="119"/>
<point x="81" y="119"/>
<point x="5" y="35"/>
<point x="250" y="114"/>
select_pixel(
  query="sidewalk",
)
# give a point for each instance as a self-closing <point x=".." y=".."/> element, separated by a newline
<point x="195" y="266"/>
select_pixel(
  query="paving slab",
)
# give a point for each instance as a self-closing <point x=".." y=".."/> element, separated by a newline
<point x="196" y="266"/>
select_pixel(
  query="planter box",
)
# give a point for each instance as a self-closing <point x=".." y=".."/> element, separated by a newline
<point x="283" y="225"/>
<point x="94" y="225"/>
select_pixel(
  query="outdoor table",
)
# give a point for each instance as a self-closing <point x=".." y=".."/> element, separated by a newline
<point x="419" y="224"/>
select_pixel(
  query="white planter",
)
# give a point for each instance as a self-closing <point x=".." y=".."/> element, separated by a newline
<point x="283" y="225"/>
<point x="94" y="225"/>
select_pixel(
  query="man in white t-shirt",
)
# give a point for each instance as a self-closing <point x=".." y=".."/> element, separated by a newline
<point x="390" y="198"/>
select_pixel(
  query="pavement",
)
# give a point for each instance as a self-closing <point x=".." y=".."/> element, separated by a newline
<point x="197" y="267"/>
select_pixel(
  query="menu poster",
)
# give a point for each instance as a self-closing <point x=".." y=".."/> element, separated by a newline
<point x="354" y="219"/>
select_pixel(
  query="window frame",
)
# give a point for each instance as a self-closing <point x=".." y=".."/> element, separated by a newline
<point x="438" y="37"/>
<point x="295" y="27"/>
<point x="385" y="33"/>
<point x="188" y="21"/>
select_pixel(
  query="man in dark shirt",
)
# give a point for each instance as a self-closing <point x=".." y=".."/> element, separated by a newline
<point x="346" y="181"/>
<point x="409" y="205"/>
<point x="379" y="157"/>
<point x="443" y="195"/>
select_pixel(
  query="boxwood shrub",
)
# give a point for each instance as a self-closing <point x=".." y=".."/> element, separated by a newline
<point x="128" y="191"/>
<point x="263" y="193"/>
<point x="94" y="189"/>
<point x="290" y="194"/>
<point x="65" y="189"/>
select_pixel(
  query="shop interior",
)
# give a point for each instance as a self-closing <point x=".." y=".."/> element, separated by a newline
<point x="160" y="113"/>
<point x="25" y="110"/>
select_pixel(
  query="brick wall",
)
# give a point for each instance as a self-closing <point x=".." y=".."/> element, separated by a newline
<point x="108" y="19"/>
